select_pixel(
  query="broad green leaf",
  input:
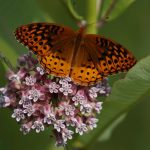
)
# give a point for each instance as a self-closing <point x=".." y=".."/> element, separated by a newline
<point x="107" y="133"/>
<point x="119" y="7"/>
<point x="125" y="94"/>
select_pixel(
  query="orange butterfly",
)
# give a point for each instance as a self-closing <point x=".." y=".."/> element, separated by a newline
<point x="86" y="58"/>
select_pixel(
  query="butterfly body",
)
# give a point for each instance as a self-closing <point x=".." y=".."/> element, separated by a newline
<point x="86" y="58"/>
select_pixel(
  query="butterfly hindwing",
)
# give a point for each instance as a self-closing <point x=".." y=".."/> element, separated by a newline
<point x="84" y="70"/>
<point x="58" y="62"/>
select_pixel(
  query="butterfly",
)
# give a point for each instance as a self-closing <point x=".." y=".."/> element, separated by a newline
<point x="86" y="58"/>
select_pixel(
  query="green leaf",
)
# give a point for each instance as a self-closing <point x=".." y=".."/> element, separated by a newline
<point x="119" y="7"/>
<point x="107" y="133"/>
<point x="125" y="94"/>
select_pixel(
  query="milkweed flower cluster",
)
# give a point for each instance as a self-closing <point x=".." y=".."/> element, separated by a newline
<point x="38" y="100"/>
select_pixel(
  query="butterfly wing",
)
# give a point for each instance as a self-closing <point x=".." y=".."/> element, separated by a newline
<point x="96" y="58"/>
<point x="111" y="56"/>
<point x="99" y="57"/>
<point x="52" y="43"/>
<point x="84" y="71"/>
<point x="41" y="38"/>
<point x="58" y="62"/>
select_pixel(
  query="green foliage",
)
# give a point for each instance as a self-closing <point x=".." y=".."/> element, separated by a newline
<point x="119" y="7"/>
<point x="107" y="133"/>
<point x="2" y="75"/>
<point x="13" y="14"/>
<point x="125" y="94"/>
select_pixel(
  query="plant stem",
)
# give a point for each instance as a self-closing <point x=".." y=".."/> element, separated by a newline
<point x="69" y="6"/>
<point x="6" y="61"/>
<point x="98" y="6"/>
<point x="91" y="16"/>
<point x="103" y="19"/>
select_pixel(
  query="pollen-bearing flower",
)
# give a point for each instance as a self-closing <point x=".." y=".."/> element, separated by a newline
<point x="38" y="101"/>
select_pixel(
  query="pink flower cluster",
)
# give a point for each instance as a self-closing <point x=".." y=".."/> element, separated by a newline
<point x="39" y="100"/>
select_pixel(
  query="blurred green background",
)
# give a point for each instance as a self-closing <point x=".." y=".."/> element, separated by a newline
<point x="131" y="28"/>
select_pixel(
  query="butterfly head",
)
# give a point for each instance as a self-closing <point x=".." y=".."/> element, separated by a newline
<point x="84" y="26"/>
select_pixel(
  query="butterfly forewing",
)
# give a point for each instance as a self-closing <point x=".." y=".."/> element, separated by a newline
<point x="111" y="56"/>
<point x="42" y="37"/>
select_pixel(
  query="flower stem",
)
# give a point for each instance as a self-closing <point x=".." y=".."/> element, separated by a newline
<point x="68" y="4"/>
<point x="98" y="6"/>
<point x="91" y="16"/>
<point x="6" y="61"/>
<point x="103" y="19"/>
